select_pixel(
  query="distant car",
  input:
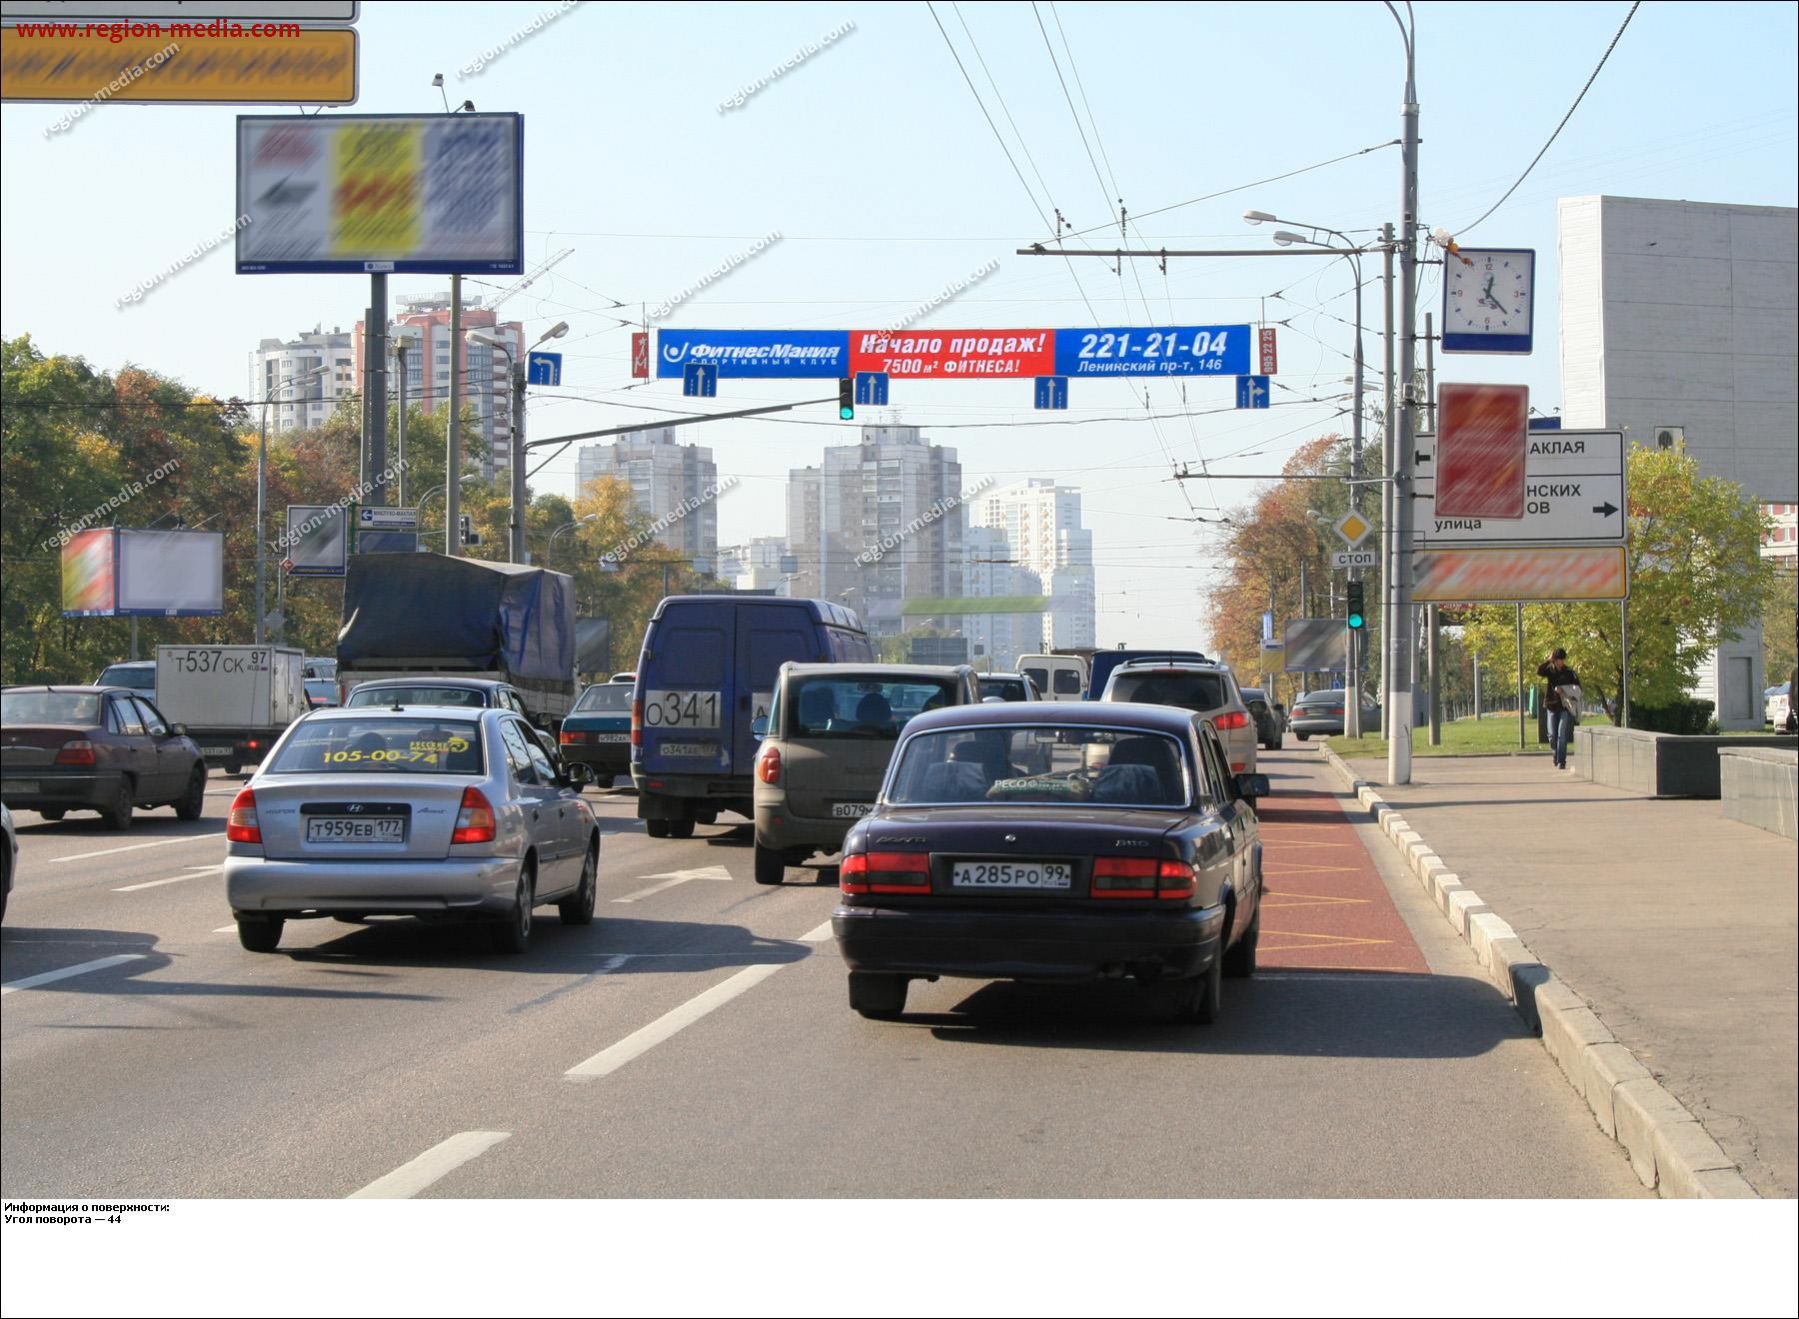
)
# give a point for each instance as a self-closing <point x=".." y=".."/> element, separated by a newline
<point x="1149" y="867"/>
<point x="1269" y="724"/>
<point x="597" y="732"/>
<point x="104" y="749"/>
<point x="1202" y="686"/>
<point x="137" y="675"/>
<point x="9" y="857"/>
<point x="1058" y="677"/>
<point x="825" y="746"/>
<point x="432" y="811"/>
<point x="478" y="693"/>
<point x="317" y="666"/>
<point x="1009" y="687"/>
<point x="321" y="693"/>
<point x="1779" y="701"/>
<point x="1320" y="714"/>
<point x="1099" y="668"/>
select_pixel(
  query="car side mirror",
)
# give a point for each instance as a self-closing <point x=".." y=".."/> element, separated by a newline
<point x="1253" y="786"/>
<point x="177" y="730"/>
<point x="759" y="727"/>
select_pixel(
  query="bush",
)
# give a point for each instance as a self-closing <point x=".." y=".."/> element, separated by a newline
<point x="1688" y="718"/>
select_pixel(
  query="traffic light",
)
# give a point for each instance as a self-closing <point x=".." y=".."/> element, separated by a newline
<point x="1356" y="619"/>
<point x="846" y="399"/>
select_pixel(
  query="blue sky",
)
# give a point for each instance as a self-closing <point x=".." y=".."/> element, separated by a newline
<point x="874" y="162"/>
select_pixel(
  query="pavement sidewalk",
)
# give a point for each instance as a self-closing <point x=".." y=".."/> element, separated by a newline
<point x="1676" y="924"/>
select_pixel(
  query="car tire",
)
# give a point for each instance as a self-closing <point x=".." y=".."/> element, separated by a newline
<point x="771" y="865"/>
<point x="1197" y="999"/>
<point x="116" y="814"/>
<point x="53" y="813"/>
<point x="233" y="767"/>
<point x="604" y="780"/>
<point x="577" y="909"/>
<point x="513" y="934"/>
<point x="878" y="997"/>
<point x="656" y="828"/>
<point x="1302" y="736"/>
<point x="260" y="934"/>
<point x="680" y="828"/>
<point x="1240" y="961"/>
<point x="193" y="801"/>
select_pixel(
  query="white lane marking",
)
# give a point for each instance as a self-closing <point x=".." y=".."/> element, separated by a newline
<point x="227" y="929"/>
<point x="133" y="847"/>
<point x="671" y="878"/>
<point x="51" y="977"/>
<point x="197" y="871"/>
<point x="433" y="1165"/>
<point x="639" y="1042"/>
<point x="819" y="935"/>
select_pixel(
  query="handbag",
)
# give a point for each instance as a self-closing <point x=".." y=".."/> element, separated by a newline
<point x="1572" y="698"/>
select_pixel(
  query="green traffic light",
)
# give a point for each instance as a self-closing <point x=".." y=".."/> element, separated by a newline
<point x="845" y="413"/>
<point x="1355" y="622"/>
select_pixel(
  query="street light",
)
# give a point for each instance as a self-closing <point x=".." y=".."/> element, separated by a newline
<point x="262" y="492"/>
<point x="425" y="499"/>
<point x="567" y="526"/>
<point x="516" y="371"/>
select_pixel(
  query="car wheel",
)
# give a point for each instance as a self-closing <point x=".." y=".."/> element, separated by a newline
<point x="233" y="767"/>
<point x="578" y="909"/>
<point x="513" y="935"/>
<point x="1197" y="1000"/>
<point x="878" y="997"/>
<point x="117" y="813"/>
<point x="193" y="801"/>
<point x="680" y="828"/>
<point x="1240" y="961"/>
<point x="656" y="828"/>
<point x="771" y="865"/>
<point x="53" y="813"/>
<point x="1302" y="736"/>
<point x="259" y="934"/>
<point x="604" y="780"/>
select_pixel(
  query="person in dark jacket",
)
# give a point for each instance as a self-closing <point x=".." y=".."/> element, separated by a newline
<point x="1561" y="718"/>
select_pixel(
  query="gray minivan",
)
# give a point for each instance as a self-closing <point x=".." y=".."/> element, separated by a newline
<point x="825" y="745"/>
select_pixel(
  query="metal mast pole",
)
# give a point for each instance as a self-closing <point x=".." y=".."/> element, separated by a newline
<point x="1399" y="748"/>
<point x="1387" y="570"/>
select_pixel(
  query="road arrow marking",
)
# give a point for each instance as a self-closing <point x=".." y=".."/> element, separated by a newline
<point x="670" y="878"/>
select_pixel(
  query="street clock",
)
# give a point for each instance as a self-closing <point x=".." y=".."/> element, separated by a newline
<point x="1489" y="299"/>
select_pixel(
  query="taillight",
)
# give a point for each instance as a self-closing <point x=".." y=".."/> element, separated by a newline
<point x="569" y="739"/>
<point x="80" y="751"/>
<point x="768" y="764"/>
<point x="636" y="723"/>
<point x="474" y="822"/>
<point x="1174" y="879"/>
<point x="240" y="825"/>
<point x="1140" y="877"/>
<point x="1235" y="719"/>
<point x="885" y="872"/>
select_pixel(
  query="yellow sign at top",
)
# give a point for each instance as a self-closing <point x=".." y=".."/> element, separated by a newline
<point x="1354" y="528"/>
<point x="314" y="66"/>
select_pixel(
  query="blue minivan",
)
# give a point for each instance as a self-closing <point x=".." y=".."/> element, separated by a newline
<point x="708" y="670"/>
<point x="1104" y="661"/>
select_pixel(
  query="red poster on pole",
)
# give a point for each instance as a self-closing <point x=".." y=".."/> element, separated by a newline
<point x="640" y="355"/>
<point x="1266" y="339"/>
<point x="954" y="354"/>
<point x="1482" y="438"/>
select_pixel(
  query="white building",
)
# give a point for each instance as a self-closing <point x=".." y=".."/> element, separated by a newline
<point x="1042" y="522"/>
<point x="757" y="566"/>
<point x="1680" y="325"/>
<point x="805" y="535"/>
<point x="995" y="641"/>
<point x="278" y="362"/>
<point x="668" y="480"/>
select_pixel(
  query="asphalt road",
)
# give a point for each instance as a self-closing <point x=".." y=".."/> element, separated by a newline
<point x="696" y="1041"/>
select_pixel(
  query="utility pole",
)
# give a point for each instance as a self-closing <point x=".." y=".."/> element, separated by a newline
<point x="518" y="552"/>
<point x="374" y="409"/>
<point x="1433" y="620"/>
<point x="1387" y="499"/>
<point x="400" y="421"/>
<point x="1399" y="747"/>
<point x="453" y="427"/>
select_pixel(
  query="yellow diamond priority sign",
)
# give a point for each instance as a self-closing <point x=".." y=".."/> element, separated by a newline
<point x="1354" y="528"/>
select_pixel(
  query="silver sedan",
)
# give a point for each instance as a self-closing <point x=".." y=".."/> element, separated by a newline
<point x="423" y="810"/>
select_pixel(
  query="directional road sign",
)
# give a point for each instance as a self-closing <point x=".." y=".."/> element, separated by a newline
<point x="1052" y="392"/>
<point x="871" y="388"/>
<point x="1252" y="391"/>
<point x="543" y="369"/>
<point x="699" y="381"/>
<point x="1574" y="494"/>
<point x="379" y="517"/>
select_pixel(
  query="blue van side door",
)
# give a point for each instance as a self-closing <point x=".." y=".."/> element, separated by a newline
<point x="767" y="637"/>
<point x="686" y="686"/>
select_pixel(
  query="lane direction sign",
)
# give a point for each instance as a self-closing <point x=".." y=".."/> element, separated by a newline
<point x="1574" y="494"/>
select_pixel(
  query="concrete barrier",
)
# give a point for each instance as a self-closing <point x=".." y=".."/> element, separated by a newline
<point x="1659" y="764"/>
<point x="1760" y="786"/>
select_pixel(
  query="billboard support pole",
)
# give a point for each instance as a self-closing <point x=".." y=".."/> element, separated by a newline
<point x="452" y="426"/>
<point x="1624" y="663"/>
<point x="375" y="402"/>
<point x="134" y="636"/>
<point x="1521" y="687"/>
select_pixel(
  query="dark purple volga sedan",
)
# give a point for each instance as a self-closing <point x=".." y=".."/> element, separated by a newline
<point x="1134" y="853"/>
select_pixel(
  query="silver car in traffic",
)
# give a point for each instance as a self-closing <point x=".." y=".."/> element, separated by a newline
<point x="424" y="810"/>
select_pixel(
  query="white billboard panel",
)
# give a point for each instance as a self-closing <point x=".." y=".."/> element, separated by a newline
<point x="171" y="572"/>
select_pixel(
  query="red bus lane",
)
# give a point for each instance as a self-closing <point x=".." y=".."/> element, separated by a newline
<point x="1326" y="907"/>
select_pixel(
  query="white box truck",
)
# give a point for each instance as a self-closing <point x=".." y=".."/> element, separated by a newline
<point x="235" y="700"/>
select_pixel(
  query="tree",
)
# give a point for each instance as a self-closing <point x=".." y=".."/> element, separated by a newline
<point x="1696" y="578"/>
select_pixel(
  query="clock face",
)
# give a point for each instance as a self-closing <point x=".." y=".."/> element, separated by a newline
<point x="1490" y="296"/>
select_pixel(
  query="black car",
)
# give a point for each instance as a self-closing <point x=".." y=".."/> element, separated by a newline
<point x="1137" y="853"/>
<point x="104" y="749"/>
<point x="1271" y="719"/>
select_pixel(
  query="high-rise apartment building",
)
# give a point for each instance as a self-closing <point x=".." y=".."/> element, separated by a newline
<point x="1042" y="523"/>
<point x="276" y="364"/>
<point x="668" y="480"/>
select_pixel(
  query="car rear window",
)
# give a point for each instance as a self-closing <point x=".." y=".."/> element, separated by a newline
<point x="867" y="707"/>
<point x="610" y="698"/>
<point x="1040" y="677"/>
<point x="50" y="708"/>
<point x="370" y="696"/>
<point x="1328" y="700"/>
<point x="138" y="679"/>
<point x="1068" y="683"/>
<point x="1010" y="689"/>
<point x="1040" y="765"/>
<point x="381" y="744"/>
<point x="1189" y="691"/>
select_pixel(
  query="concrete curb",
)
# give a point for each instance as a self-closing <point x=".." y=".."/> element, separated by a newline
<point x="1669" y="1150"/>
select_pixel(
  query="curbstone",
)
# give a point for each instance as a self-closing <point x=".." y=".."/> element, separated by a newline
<point x="1528" y="979"/>
<point x="1442" y="886"/>
<point x="1604" y="1067"/>
<point x="1684" y="1150"/>
<point x="1722" y="1184"/>
<point x="1567" y="1031"/>
<point x="1464" y="903"/>
<point x="1640" y="1107"/>
<point x="1484" y="928"/>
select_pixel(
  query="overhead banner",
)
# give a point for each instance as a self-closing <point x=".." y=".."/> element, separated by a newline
<point x="1504" y="576"/>
<point x="380" y="194"/>
<point x="1218" y="350"/>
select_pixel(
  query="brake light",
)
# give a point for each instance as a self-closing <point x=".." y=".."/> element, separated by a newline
<point x="241" y="825"/>
<point x="80" y="751"/>
<point x="1140" y="877"/>
<point x="636" y="723"/>
<point x="1174" y="879"/>
<point x="885" y="872"/>
<point x="571" y="739"/>
<point x="1235" y="719"/>
<point x="474" y="822"/>
<point x="768" y="764"/>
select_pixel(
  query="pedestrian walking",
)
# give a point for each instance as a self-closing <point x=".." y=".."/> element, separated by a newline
<point x="1562" y="702"/>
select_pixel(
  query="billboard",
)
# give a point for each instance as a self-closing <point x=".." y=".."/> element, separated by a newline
<point x="113" y="572"/>
<point x="769" y="354"/>
<point x="1317" y="645"/>
<point x="318" y="540"/>
<point x="1539" y="573"/>
<point x="397" y="194"/>
<point x="954" y="354"/>
<point x="182" y="63"/>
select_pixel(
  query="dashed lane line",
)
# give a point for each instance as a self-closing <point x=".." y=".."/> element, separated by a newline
<point x="639" y="1042"/>
<point x="433" y="1165"/>
<point x="51" y="977"/>
<point x="197" y="871"/>
<point x="133" y="847"/>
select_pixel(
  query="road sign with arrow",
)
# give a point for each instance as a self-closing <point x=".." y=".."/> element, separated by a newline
<point x="1574" y="495"/>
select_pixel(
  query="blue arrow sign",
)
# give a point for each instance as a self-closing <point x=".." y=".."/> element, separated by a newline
<point x="1052" y="393"/>
<point x="543" y="369"/>
<point x="1252" y="391"/>
<point x="871" y="388"/>
<point x="699" y="381"/>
